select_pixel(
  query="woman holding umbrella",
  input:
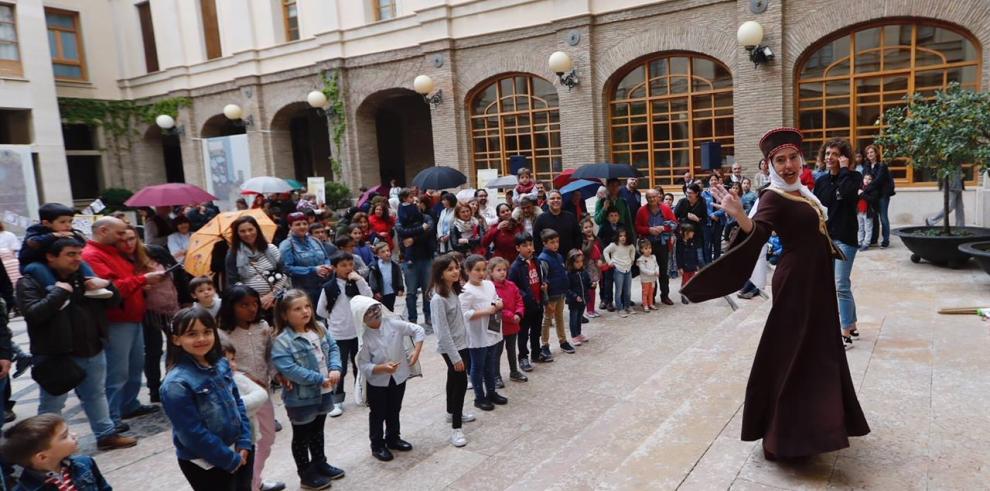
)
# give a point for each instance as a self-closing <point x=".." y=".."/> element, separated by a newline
<point x="304" y="257"/>
<point x="253" y="262"/>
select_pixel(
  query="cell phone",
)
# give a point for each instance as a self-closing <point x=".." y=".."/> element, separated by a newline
<point x="172" y="268"/>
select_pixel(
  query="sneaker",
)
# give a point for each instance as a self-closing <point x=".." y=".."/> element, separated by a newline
<point x="864" y="248"/>
<point x="484" y="405"/>
<point x="499" y="384"/>
<point x="122" y="428"/>
<point x="684" y="300"/>
<point x="114" y="442"/>
<point x="884" y="245"/>
<point x="585" y="320"/>
<point x="518" y="377"/>
<point x="457" y="438"/>
<point x="747" y="295"/>
<point x="309" y="478"/>
<point x="99" y="293"/>
<point x="630" y="311"/>
<point x="594" y="315"/>
<point x="585" y="339"/>
<point x="576" y="341"/>
<point x="328" y="470"/>
<point x="466" y="417"/>
<point x="646" y="310"/>
<point x="566" y="347"/>
<point x="497" y="398"/>
<point x="623" y="314"/>
<point x="272" y="485"/>
<point x="545" y="355"/>
<point x="610" y="307"/>
<point x="337" y="410"/>
<point x="525" y="365"/>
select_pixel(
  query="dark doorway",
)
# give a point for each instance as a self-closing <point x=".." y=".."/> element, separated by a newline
<point x="310" y="145"/>
<point x="172" y="154"/>
<point x="403" y="137"/>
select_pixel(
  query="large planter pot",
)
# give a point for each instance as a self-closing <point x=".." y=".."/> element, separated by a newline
<point x="980" y="251"/>
<point x="942" y="250"/>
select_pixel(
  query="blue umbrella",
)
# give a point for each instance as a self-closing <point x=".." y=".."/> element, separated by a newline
<point x="587" y="188"/>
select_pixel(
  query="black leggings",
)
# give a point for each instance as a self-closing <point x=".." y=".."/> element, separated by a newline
<point x="508" y="345"/>
<point x="529" y="332"/>
<point x="154" y="327"/>
<point x="457" y="387"/>
<point x="348" y="351"/>
<point x="214" y="479"/>
<point x="307" y="443"/>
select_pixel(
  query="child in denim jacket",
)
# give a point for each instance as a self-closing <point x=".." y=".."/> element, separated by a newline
<point x="308" y="358"/>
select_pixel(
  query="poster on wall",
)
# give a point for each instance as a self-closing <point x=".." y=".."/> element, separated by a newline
<point x="228" y="164"/>
<point x="18" y="188"/>
<point x="317" y="186"/>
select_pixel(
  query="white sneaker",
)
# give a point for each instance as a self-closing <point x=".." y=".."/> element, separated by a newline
<point x="465" y="418"/>
<point x="457" y="438"/>
<point x="337" y="410"/>
<point x="100" y="293"/>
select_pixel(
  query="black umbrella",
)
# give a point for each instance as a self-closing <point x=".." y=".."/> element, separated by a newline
<point x="605" y="171"/>
<point x="439" y="178"/>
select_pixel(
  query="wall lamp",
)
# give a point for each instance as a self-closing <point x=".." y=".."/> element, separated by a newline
<point x="563" y="66"/>
<point x="318" y="100"/>
<point x="167" y="124"/>
<point x="235" y="114"/>
<point x="423" y="85"/>
<point x="750" y="35"/>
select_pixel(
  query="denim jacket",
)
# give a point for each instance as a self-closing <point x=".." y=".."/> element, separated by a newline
<point x="85" y="476"/>
<point x="293" y="357"/>
<point x="206" y="411"/>
<point x="300" y="256"/>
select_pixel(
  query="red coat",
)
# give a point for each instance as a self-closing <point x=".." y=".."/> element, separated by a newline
<point x="109" y="264"/>
<point x="504" y="240"/>
<point x="512" y="305"/>
<point x="643" y="219"/>
<point x="382" y="228"/>
<point x="808" y="178"/>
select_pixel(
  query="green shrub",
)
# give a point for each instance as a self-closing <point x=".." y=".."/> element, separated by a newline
<point x="338" y="195"/>
<point x="114" y="199"/>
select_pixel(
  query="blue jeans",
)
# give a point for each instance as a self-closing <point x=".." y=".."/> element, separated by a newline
<point x="623" y="284"/>
<point x="575" y="313"/>
<point x="883" y="207"/>
<point x="484" y="368"/>
<point x="125" y="365"/>
<point x="843" y="285"/>
<point x="91" y="392"/>
<point x="417" y="276"/>
<point x="41" y="272"/>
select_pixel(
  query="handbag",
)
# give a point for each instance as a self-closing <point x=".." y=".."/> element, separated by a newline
<point x="58" y="374"/>
<point x="360" y="389"/>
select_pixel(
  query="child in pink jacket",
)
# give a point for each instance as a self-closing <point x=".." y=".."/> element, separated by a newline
<point x="512" y="312"/>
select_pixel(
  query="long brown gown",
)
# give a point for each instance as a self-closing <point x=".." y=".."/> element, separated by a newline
<point x="800" y="398"/>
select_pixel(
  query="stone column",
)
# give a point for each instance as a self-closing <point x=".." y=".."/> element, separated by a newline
<point x="758" y="92"/>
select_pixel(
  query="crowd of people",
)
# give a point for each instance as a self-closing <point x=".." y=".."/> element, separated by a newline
<point x="296" y="311"/>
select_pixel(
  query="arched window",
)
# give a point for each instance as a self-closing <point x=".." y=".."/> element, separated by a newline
<point x="851" y="78"/>
<point x="516" y="115"/>
<point x="661" y="110"/>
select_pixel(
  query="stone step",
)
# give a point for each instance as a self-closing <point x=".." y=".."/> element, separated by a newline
<point x="617" y="447"/>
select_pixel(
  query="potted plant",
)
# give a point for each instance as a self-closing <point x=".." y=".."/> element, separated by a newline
<point x="940" y="134"/>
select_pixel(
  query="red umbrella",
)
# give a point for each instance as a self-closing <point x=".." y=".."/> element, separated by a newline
<point x="170" y="194"/>
<point x="563" y="178"/>
<point x="381" y="189"/>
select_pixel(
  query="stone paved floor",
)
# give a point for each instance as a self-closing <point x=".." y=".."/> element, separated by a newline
<point x="655" y="402"/>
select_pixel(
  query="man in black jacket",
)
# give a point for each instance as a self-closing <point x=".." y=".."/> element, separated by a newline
<point x="560" y="220"/>
<point x="62" y="322"/>
<point x="838" y="190"/>
<point x="420" y="245"/>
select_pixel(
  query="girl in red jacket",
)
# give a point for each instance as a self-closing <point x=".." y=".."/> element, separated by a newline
<point x="381" y="224"/>
<point x="512" y="313"/>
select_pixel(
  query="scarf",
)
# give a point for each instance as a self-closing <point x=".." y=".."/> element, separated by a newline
<point x="466" y="227"/>
<point x="778" y="183"/>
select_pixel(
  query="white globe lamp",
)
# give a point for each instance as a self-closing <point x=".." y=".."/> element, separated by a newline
<point x="316" y="99"/>
<point x="233" y="112"/>
<point x="750" y="34"/>
<point x="560" y="63"/>
<point x="423" y="85"/>
<point x="165" y="122"/>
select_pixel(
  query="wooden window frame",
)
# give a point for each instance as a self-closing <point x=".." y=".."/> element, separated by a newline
<point x="212" y="45"/>
<point x="859" y="134"/>
<point x="285" y="20"/>
<point x="12" y="67"/>
<point x="148" y="41"/>
<point x="377" y="10"/>
<point x="666" y="176"/>
<point x="482" y="154"/>
<point x="77" y="32"/>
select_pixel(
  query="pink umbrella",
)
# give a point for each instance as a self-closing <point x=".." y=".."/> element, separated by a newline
<point x="381" y="189"/>
<point x="171" y="194"/>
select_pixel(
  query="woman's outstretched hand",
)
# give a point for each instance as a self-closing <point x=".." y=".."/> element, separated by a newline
<point x="729" y="202"/>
